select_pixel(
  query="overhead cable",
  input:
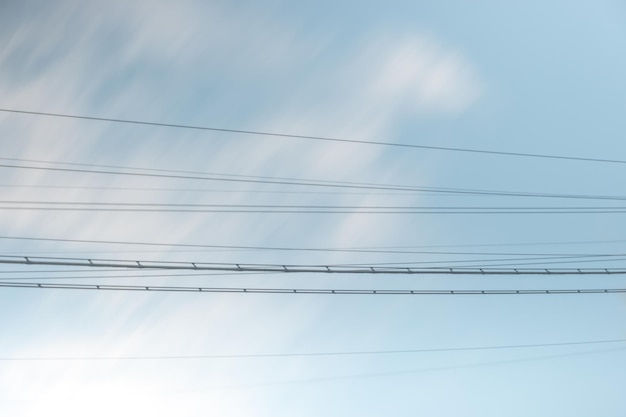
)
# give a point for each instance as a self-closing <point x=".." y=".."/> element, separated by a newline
<point x="289" y="248"/>
<point x="313" y="269"/>
<point x="306" y="354"/>
<point x="382" y="250"/>
<point x="316" y="138"/>
<point x="208" y="176"/>
<point x="296" y="209"/>
<point x="315" y="183"/>
<point x="313" y="291"/>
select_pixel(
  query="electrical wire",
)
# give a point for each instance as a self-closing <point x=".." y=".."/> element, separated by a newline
<point x="311" y="291"/>
<point x="317" y="138"/>
<point x="309" y="354"/>
<point x="117" y="276"/>
<point x="383" y="249"/>
<point x="280" y="210"/>
<point x="285" y="268"/>
<point x="298" y="182"/>
<point x="305" y="206"/>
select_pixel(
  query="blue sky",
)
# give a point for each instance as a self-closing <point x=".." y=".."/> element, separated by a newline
<point x="533" y="77"/>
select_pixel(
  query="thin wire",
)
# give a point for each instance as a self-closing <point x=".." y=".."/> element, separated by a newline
<point x="309" y="354"/>
<point x="205" y="190"/>
<point x="310" y="291"/>
<point x="313" y="183"/>
<point x="408" y="371"/>
<point x="296" y="249"/>
<point x="546" y="260"/>
<point x="308" y="182"/>
<point x="176" y="275"/>
<point x="378" y="248"/>
<point x="312" y="211"/>
<point x="317" y="138"/>
<point x="307" y="206"/>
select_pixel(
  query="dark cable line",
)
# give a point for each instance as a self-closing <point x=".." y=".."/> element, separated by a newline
<point x="206" y="190"/>
<point x="298" y="249"/>
<point x="321" y="249"/>
<point x="473" y="262"/>
<point x="176" y="275"/>
<point x="317" y="138"/>
<point x="286" y="268"/>
<point x="314" y="183"/>
<point x="312" y="211"/>
<point x="547" y="263"/>
<point x="305" y="206"/>
<point x="311" y="291"/>
<point x="308" y="354"/>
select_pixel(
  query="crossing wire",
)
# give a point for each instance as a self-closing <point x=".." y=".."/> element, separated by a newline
<point x="316" y="138"/>
<point x="212" y="176"/>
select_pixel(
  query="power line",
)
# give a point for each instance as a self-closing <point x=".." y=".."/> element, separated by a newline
<point x="281" y="210"/>
<point x="308" y="354"/>
<point x="207" y="176"/>
<point x="206" y="190"/>
<point x="117" y="242"/>
<point x="117" y="276"/>
<point x="308" y="249"/>
<point x="312" y="291"/>
<point x="412" y="371"/>
<point x="317" y="138"/>
<point x="306" y="206"/>
<point x="283" y="268"/>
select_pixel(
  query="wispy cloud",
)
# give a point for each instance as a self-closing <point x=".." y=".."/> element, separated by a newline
<point x="154" y="60"/>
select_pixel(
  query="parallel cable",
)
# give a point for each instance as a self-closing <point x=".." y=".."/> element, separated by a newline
<point x="117" y="276"/>
<point x="283" y="210"/>
<point x="317" y="138"/>
<point x="313" y="269"/>
<point x="308" y="354"/>
<point x="311" y="291"/>
<point x="305" y="206"/>
<point x="301" y="182"/>
<point x="291" y="248"/>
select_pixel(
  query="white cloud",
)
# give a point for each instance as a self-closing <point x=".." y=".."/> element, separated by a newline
<point x="425" y="76"/>
<point x="132" y="60"/>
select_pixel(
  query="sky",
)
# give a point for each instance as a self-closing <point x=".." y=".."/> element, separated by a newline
<point x="531" y="78"/>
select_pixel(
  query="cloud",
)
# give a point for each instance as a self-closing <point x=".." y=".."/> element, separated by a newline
<point x="209" y="63"/>
<point x="424" y="76"/>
